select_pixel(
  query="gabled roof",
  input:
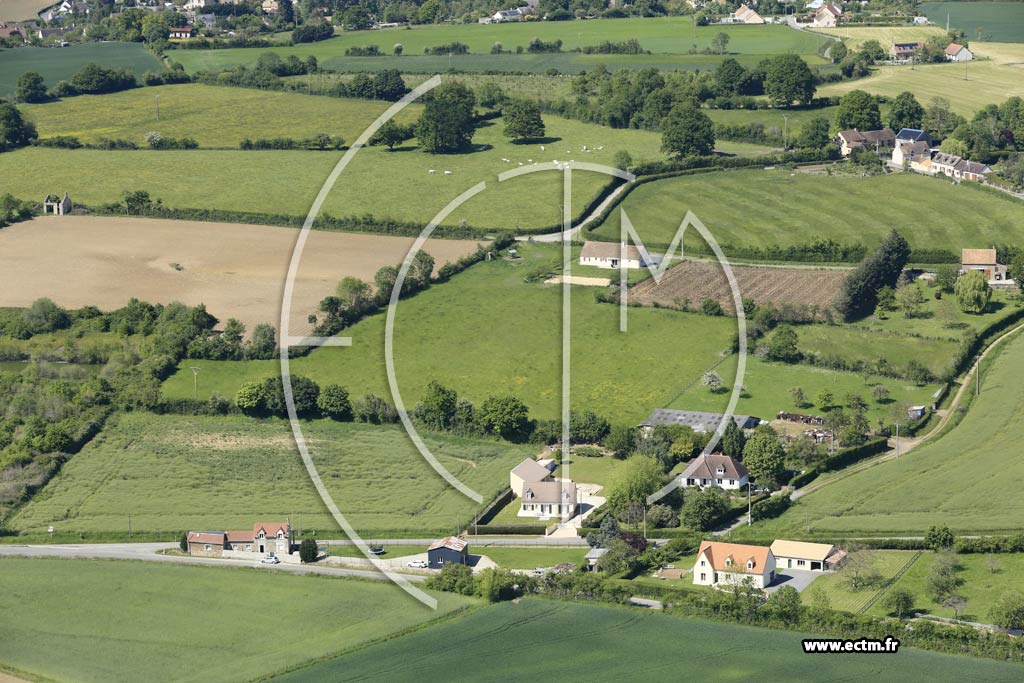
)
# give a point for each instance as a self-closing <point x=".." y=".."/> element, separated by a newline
<point x="530" y="470"/>
<point x="978" y="257"/>
<point x="946" y="159"/>
<point x="270" y="528"/>
<point x="965" y="166"/>
<point x="706" y="467"/>
<point x="550" y="492"/>
<point x="912" y="134"/>
<point x="809" y="551"/>
<point x="917" y="147"/>
<point x="451" y="542"/>
<point x="954" y="48"/>
<point x="719" y="556"/>
<point x="698" y="420"/>
<point x="216" y="537"/>
<point x="608" y="250"/>
<point x="240" y="536"/>
<point x="883" y="135"/>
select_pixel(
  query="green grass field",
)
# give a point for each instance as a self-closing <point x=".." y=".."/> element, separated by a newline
<point x="994" y="21"/>
<point x="218" y="117"/>
<point x="61" y="63"/>
<point x="836" y="585"/>
<point x="854" y="344"/>
<point x="287" y="181"/>
<point x="981" y="586"/>
<point x="759" y="208"/>
<point x="529" y="558"/>
<point x="669" y="38"/>
<point x="989" y="81"/>
<point x="768" y="386"/>
<point x="507" y="337"/>
<point x="549" y="640"/>
<point x="173" y="473"/>
<point x="943" y="317"/>
<point x="87" y="620"/>
<point x="855" y="36"/>
<point x="969" y="479"/>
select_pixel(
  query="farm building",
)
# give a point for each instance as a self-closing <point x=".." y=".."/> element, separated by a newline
<point x="879" y="140"/>
<point x="955" y="52"/>
<point x="699" y="421"/>
<point x="504" y="15"/>
<point x="594" y="556"/>
<point x="909" y="153"/>
<point x="715" y="470"/>
<point x="907" y="135"/>
<point x="262" y="538"/>
<point x="903" y="52"/>
<point x="610" y="255"/>
<point x="57" y="206"/>
<point x="725" y="564"/>
<point x="182" y="33"/>
<point x="448" y="550"/>
<point x="818" y="557"/>
<point x="985" y="261"/>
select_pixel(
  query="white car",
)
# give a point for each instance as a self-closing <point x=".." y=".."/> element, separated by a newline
<point x="418" y="564"/>
<point x="270" y="559"/>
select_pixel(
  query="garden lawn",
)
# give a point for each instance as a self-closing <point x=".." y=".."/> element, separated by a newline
<point x="760" y="208"/>
<point x="217" y="117"/>
<point x="674" y="36"/>
<point x="853" y="344"/>
<point x="768" y="387"/>
<point x="173" y="473"/>
<point x="988" y="81"/>
<point x="836" y="585"/>
<point x="969" y="479"/>
<point x="91" y="620"/>
<point x="552" y="640"/>
<point x="981" y="587"/>
<point x="60" y="64"/>
<point x="943" y="317"/>
<point x="584" y="470"/>
<point x="486" y="332"/>
<point x="529" y="558"/>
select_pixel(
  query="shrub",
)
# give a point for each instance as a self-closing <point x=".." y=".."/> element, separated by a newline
<point x="308" y="551"/>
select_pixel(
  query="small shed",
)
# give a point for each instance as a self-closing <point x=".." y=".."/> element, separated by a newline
<point x="594" y="556"/>
<point x="916" y="412"/>
<point x="448" y="550"/>
<point x="57" y="206"/>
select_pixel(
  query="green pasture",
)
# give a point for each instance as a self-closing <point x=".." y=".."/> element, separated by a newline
<point x="967" y="86"/>
<point x="836" y="585"/>
<point x="94" y="620"/>
<point x="854" y="344"/>
<point x="393" y="184"/>
<point x="968" y="479"/>
<point x="990" y="21"/>
<point x="174" y="473"/>
<point x="985" y="578"/>
<point x="670" y="39"/>
<point x="217" y="117"/>
<point x="943" y="317"/>
<point x="768" y="385"/>
<point x="548" y="640"/>
<point x="61" y="63"/>
<point x="760" y="208"/>
<point x="486" y="332"/>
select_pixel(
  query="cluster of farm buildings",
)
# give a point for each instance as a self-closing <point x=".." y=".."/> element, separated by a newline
<point x="911" y="149"/>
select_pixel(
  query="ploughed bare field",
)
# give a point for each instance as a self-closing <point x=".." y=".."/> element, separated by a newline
<point x="698" y="280"/>
<point x="237" y="270"/>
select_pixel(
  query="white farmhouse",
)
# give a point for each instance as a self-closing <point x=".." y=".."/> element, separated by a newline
<point x="715" y="470"/>
<point x="609" y="255"/>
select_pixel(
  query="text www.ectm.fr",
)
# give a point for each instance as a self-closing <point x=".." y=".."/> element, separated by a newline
<point x="838" y="645"/>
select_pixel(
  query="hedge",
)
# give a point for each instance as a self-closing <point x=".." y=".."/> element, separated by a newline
<point x="507" y="530"/>
<point x="840" y="459"/>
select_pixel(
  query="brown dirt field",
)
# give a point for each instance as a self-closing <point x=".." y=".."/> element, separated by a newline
<point x="237" y="270"/>
<point x="697" y="281"/>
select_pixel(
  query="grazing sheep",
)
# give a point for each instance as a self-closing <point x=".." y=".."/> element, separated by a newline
<point x="431" y="171"/>
<point x="447" y="172"/>
<point x="542" y="148"/>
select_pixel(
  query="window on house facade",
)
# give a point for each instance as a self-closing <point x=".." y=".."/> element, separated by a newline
<point x="208" y="546"/>
<point x="800" y="563"/>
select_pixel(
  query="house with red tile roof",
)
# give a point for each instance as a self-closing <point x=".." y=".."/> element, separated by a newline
<point x="727" y="564"/>
<point x="264" y="538"/>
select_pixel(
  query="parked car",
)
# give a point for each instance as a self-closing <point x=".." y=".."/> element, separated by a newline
<point x="270" y="559"/>
<point x="418" y="564"/>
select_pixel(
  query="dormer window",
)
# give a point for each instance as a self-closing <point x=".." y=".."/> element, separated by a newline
<point x="720" y="470"/>
<point x="728" y="562"/>
<point x="750" y="564"/>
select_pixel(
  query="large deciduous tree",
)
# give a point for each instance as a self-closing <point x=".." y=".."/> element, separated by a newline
<point x="788" y="79"/>
<point x="687" y="131"/>
<point x="446" y="124"/>
<point x="906" y="112"/>
<point x="973" y="292"/>
<point x="858" y="109"/>
<point x="522" y="120"/>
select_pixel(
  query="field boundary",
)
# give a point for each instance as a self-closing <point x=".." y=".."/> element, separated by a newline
<point x="890" y="582"/>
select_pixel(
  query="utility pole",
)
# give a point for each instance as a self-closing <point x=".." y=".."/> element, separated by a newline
<point x="129" y="525"/>
<point x="157" y="107"/>
<point x="195" y="381"/>
<point x="748" y="504"/>
<point x="897" y="439"/>
<point x="785" y="131"/>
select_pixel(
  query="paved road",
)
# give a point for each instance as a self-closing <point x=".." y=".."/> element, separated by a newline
<point x="148" y="552"/>
<point x="571" y="233"/>
<point x="515" y="541"/>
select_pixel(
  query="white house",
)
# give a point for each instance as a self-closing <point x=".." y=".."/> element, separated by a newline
<point x="715" y="470"/>
<point x="909" y="153"/>
<point x="726" y="564"/>
<point x="827" y="16"/>
<point x="817" y="557"/>
<point x="506" y="15"/>
<point x="609" y="255"/>
<point x="956" y="52"/>
<point x="745" y="15"/>
<point x="555" y="498"/>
